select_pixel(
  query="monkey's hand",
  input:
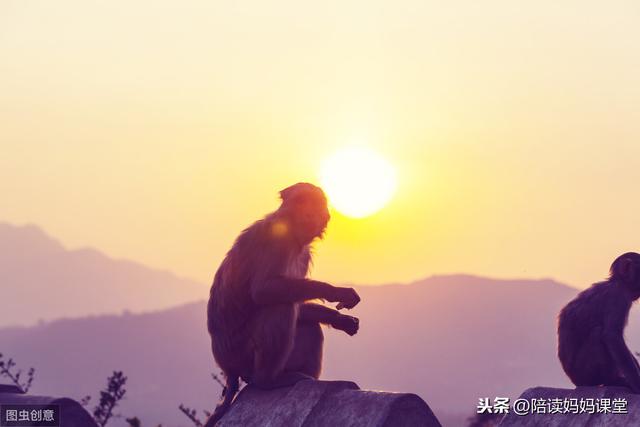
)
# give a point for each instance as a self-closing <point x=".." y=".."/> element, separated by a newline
<point x="348" y="324"/>
<point x="346" y="298"/>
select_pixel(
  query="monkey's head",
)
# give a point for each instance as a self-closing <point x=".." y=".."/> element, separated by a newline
<point x="626" y="271"/>
<point x="304" y="206"/>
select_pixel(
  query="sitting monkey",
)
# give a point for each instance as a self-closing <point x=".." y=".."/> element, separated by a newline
<point x="262" y="327"/>
<point x="591" y="343"/>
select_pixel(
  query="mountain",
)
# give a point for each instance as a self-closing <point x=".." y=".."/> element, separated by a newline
<point x="450" y="339"/>
<point x="41" y="280"/>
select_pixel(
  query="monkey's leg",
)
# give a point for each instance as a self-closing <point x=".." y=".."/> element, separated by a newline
<point x="617" y="381"/>
<point x="592" y="365"/>
<point x="306" y="357"/>
<point x="274" y="329"/>
<point x="616" y="377"/>
<point x="311" y="312"/>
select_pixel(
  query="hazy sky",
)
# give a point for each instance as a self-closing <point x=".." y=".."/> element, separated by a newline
<point x="157" y="130"/>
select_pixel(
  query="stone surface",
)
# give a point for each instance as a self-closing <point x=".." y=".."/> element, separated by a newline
<point x="327" y="403"/>
<point x="72" y="414"/>
<point x="10" y="388"/>
<point x="632" y="418"/>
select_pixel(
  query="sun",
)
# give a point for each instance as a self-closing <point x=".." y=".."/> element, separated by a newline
<point x="358" y="181"/>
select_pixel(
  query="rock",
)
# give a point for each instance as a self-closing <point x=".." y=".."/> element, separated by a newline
<point x="10" y="388"/>
<point x="72" y="414"/>
<point x="590" y="401"/>
<point x="327" y="403"/>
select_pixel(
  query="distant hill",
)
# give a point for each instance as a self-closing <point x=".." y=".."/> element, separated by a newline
<point x="40" y="279"/>
<point x="451" y="339"/>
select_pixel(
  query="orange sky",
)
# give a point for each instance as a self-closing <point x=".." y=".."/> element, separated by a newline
<point x="157" y="130"/>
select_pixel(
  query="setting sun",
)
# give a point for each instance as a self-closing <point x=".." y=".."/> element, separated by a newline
<point x="358" y="181"/>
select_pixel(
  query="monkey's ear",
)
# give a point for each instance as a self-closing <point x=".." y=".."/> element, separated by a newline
<point x="625" y="269"/>
<point x="291" y="190"/>
<point x="287" y="192"/>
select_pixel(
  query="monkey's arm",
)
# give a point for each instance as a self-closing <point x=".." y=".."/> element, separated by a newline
<point x="282" y="290"/>
<point x="624" y="360"/>
<point x="635" y="359"/>
<point x="613" y="337"/>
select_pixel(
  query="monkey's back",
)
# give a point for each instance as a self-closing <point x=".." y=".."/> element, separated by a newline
<point x="255" y="256"/>
<point x="230" y="303"/>
<point x="582" y="319"/>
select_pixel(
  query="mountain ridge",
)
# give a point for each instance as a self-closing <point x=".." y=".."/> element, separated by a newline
<point x="447" y="339"/>
<point x="37" y="271"/>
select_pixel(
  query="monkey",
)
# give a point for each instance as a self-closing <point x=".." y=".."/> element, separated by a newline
<point x="591" y="345"/>
<point x="263" y="325"/>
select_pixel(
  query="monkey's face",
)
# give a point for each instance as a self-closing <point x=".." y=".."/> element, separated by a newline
<point x="306" y="208"/>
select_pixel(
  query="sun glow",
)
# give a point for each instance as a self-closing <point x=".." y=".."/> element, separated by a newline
<point x="358" y="181"/>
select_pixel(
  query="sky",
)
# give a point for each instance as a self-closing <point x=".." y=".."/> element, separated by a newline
<point x="157" y="130"/>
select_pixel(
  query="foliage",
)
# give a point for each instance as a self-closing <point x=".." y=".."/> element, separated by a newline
<point x="109" y="398"/>
<point x="192" y="414"/>
<point x="7" y="370"/>
<point x="135" y="422"/>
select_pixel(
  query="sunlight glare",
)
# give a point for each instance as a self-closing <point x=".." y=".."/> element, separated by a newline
<point x="358" y="181"/>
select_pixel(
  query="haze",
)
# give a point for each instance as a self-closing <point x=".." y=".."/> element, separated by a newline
<point x="156" y="131"/>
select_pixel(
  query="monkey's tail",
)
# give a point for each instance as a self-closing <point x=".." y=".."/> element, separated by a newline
<point x="228" y="393"/>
